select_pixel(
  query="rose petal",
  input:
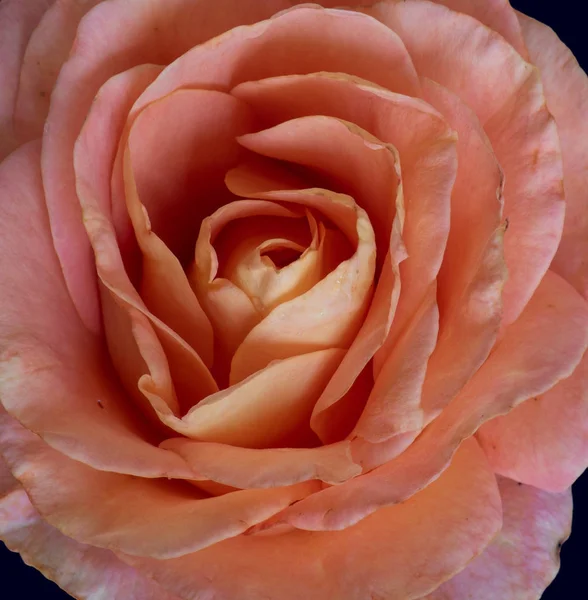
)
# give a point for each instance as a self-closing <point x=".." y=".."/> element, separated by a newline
<point x="498" y="15"/>
<point x="190" y="136"/>
<point x="264" y="409"/>
<point x="427" y="148"/>
<point x="251" y="248"/>
<point x="266" y="468"/>
<point x="161" y="348"/>
<point x="505" y="92"/>
<point x="116" y="511"/>
<point x="544" y="441"/>
<point x="398" y="553"/>
<point x="96" y="147"/>
<point x="229" y="309"/>
<point x="473" y="272"/>
<point x="394" y="404"/>
<point x="343" y="295"/>
<point x="521" y="366"/>
<point x="48" y="49"/>
<point x="358" y="163"/>
<point x="164" y="285"/>
<point x="523" y="558"/>
<point x="566" y="92"/>
<point x="303" y="40"/>
<point x="18" y="21"/>
<point x="156" y="32"/>
<point x="78" y="569"/>
<point x="55" y="377"/>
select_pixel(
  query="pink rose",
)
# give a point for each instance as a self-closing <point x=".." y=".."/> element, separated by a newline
<point x="293" y="298"/>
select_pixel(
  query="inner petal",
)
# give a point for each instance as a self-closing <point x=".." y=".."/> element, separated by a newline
<point x="296" y="244"/>
<point x="330" y="314"/>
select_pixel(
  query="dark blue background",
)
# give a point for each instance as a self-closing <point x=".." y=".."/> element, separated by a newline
<point x="567" y="18"/>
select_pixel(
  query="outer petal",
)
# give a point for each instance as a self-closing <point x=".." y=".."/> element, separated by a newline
<point x="81" y="570"/>
<point x="116" y="511"/>
<point x="522" y="560"/>
<point x="544" y="441"/>
<point x="521" y="366"/>
<point x="17" y="22"/>
<point x="498" y="15"/>
<point x="566" y="92"/>
<point x="55" y="378"/>
<point x="399" y="553"/>
<point x="47" y="50"/>
<point x="505" y="92"/>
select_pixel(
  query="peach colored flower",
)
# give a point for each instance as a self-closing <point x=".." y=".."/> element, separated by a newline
<point x="293" y="298"/>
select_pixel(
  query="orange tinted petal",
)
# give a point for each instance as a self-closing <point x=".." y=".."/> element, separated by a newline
<point x="255" y="249"/>
<point x="358" y="163"/>
<point x="394" y="405"/>
<point x="521" y="366"/>
<point x="229" y="309"/>
<point x="523" y="558"/>
<point x="544" y="441"/>
<point x="264" y="409"/>
<point x="252" y="468"/>
<point x="426" y="146"/>
<point x="397" y="553"/>
<point x="566" y="92"/>
<point x="116" y="511"/>
<point x="181" y="147"/>
<point x="343" y="295"/>
<point x="163" y="275"/>
<point x="473" y="272"/>
<point x="162" y="349"/>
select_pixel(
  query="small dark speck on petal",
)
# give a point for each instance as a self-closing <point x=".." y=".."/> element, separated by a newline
<point x="99" y="402"/>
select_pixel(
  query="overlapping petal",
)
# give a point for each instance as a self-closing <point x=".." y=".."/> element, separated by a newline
<point x="404" y="551"/>
<point x="155" y="32"/>
<point x="428" y="155"/>
<point x="566" y="93"/>
<point x="544" y="441"/>
<point x="115" y="511"/>
<point x="18" y="21"/>
<point x="523" y="558"/>
<point x="81" y="570"/>
<point x="506" y="94"/>
<point x="296" y="327"/>
<point x="56" y="379"/>
<point x="521" y="366"/>
<point x="337" y="345"/>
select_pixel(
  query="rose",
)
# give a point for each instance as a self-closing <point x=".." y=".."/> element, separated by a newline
<point x="396" y="158"/>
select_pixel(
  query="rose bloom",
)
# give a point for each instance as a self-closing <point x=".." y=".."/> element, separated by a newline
<point x="293" y="298"/>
